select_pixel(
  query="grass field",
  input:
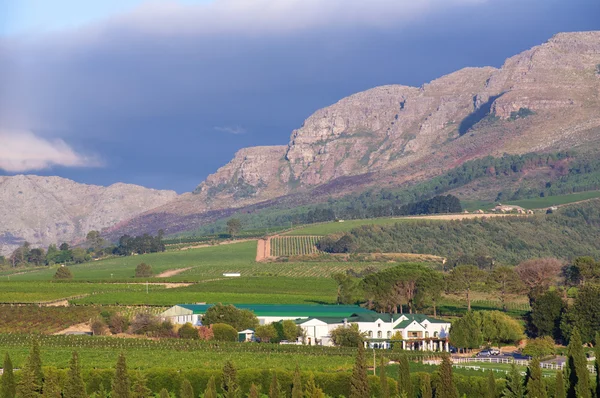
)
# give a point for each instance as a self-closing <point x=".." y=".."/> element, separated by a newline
<point x="335" y="227"/>
<point x="539" y="203"/>
<point x="294" y="245"/>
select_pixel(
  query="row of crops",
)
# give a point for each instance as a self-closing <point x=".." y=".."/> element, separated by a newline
<point x="285" y="246"/>
<point x="34" y="319"/>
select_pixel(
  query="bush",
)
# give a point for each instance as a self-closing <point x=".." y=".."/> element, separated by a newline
<point x="144" y="323"/>
<point x="266" y="333"/>
<point x="224" y="332"/>
<point x="230" y="315"/>
<point x="347" y="336"/>
<point x="117" y="323"/>
<point x="143" y="270"/>
<point x="188" y="331"/>
<point x="99" y="327"/>
<point x="63" y="273"/>
<point x="540" y="347"/>
<point x="205" y="333"/>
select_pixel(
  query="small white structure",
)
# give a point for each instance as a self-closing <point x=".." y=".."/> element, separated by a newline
<point x="246" y="335"/>
<point x="232" y="274"/>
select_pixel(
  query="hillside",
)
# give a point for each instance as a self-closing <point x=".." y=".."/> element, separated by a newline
<point x="542" y="100"/>
<point x="45" y="210"/>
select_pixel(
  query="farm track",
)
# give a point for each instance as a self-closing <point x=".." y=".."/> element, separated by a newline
<point x="227" y="242"/>
<point x="172" y="272"/>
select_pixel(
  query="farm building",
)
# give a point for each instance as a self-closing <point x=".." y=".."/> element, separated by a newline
<point x="418" y="332"/>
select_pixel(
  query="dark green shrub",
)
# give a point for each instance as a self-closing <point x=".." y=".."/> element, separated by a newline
<point x="187" y="331"/>
<point x="224" y="332"/>
<point x="63" y="273"/>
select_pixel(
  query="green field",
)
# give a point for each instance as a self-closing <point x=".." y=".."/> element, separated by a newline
<point x="540" y="203"/>
<point x="345" y="226"/>
<point x="294" y="245"/>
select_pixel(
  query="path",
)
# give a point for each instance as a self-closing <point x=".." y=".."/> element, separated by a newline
<point x="172" y="272"/>
<point x="79" y="328"/>
<point x="227" y="242"/>
<point x="263" y="249"/>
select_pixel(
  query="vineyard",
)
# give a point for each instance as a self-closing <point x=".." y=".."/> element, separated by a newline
<point x="34" y="319"/>
<point x="285" y="246"/>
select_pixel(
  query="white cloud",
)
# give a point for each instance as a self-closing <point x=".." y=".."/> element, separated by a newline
<point x="24" y="151"/>
<point x="231" y="129"/>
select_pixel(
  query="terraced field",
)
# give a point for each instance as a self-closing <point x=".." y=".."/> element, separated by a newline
<point x="285" y="246"/>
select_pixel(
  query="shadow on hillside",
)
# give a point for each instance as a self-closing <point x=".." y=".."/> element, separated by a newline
<point x="484" y="110"/>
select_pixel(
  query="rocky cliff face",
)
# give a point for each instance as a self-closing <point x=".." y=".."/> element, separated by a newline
<point x="546" y="97"/>
<point x="45" y="210"/>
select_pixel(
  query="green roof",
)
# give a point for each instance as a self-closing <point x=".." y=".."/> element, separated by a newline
<point x="290" y="310"/>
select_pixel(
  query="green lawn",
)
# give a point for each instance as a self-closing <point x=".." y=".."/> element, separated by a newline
<point x="539" y="203"/>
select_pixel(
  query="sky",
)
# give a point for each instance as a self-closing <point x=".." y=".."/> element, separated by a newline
<point x="163" y="93"/>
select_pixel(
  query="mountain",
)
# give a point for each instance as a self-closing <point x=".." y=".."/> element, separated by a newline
<point x="45" y="210"/>
<point x="544" y="99"/>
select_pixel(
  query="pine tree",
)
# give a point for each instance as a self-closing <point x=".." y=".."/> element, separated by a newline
<point x="404" y="382"/>
<point x="491" y="385"/>
<point x="229" y="385"/>
<point x="120" y="383"/>
<point x="426" y="391"/>
<point x="311" y="390"/>
<point x="597" y="354"/>
<point x="274" y="389"/>
<point x="297" y="384"/>
<point x="446" y="387"/>
<point x="51" y="387"/>
<point x="35" y="363"/>
<point x="359" y="384"/>
<point x="186" y="391"/>
<point x="211" y="389"/>
<point x="579" y="376"/>
<point x="8" y="385"/>
<point x="74" y="387"/>
<point x="535" y="385"/>
<point x="514" y="384"/>
<point x="559" y="386"/>
<point x="139" y="388"/>
<point x="383" y="382"/>
<point x="253" y="391"/>
<point x="32" y="378"/>
<point x="163" y="393"/>
<point x="102" y="393"/>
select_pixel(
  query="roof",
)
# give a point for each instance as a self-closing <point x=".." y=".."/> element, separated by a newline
<point x="289" y="310"/>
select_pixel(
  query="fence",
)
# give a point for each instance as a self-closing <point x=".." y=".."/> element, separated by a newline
<point x="518" y="362"/>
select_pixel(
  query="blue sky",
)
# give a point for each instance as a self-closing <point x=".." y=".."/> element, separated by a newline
<point x="163" y="93"/>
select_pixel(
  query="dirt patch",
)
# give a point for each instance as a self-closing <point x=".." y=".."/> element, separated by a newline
<point x="263" y="249"/>
<point x="79" y="328"/>
<point x="172" y="272"/>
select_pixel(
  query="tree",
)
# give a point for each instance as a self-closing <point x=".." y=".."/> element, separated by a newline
<point x="163" y="393"/>
<point x="311" y="390"/>
<point x="383" y="382"/>
<point x="497" y="327"/>
<point x="464" y="279"/>
<point x="291" y="331"/>
<point x="230" y="385"/>
<point x="346" y="288"/>
<point x="559" y="386"/>
<point x="266" y="332"/>
<point x="426" y="391"/>
<point x="584" y="313"/>
<point x="597" y="355"/>
<point x="505" y="281"/>
<point x="578" y="374"/>
<point x="211" y="388"/>
<point x="347" y="336"/>
<point x="234" y="226"/>
<point x="143" y="270"/>
<point x="63" y="273"/>
<point x="539" y="274"/>
<point x="120" y="383"/>
<point x="445" y="387"/>
<point x="8" y="385"/>
<point x="186" y="391"/>
<point x="32" y="377"/>
<point x="274" y="388"/>
<point x="74" y="387"/>
<point x="514" y="387"/>
<point x="239" y="319"/>
<point x="534" y="384"/>
<point x="404" y="383"/>
<point x="51" y="386"/>
<point x="188" y="331"/>
<point x="64" y="247"/>
<point x="540" y="347"/>
<point x="546" y="313"/>
<point x="224" y="332"/>
<point x="491" y="386"/>
<point x="253" y="391"/>
<point x="94" y="240"/>
<point x="140" y="388"/>
<point x="585" y="269"/>
<point x="466" y="332"/>
<point x="297" y="384"/>
<point x="359" y="384"/>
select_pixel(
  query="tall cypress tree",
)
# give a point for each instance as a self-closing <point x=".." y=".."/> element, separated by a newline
<point x="579" y="376"/>
<point x="140" y="388"/>
<point x="32" y="378"/>
<point x="211" y="388"/>
<point x="446" y="387"/>
<point x="491" y="385"/>
<point x="383" y="382"/>
<point x="51" y="387"/>
<point x="163" y="393"/>
<point x="297" y="384"/>
<point x="426" y="390"/>
<point x="514" y="384"/>
<point x="535" y="385"/>
<point x="559" y="386"/>
<point x="120" y="383"/>
<point x="8" y="385"/>
<point x="75" y="387"/>
<point x="253" y="391"/>
<point x="186" y="391"/>
<point x="597" y="354"/>
<point x="359" y="384"/>
<point x="404" y="382"/>
<point x="35" y="363"/>
<point x="230" y="385"/>
<point x="311" y="390"/>
<point x="274" y="389"/>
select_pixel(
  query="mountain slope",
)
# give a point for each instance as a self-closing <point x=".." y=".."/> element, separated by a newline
<point x="544" y="99"/>
<point x="45" y="210"/>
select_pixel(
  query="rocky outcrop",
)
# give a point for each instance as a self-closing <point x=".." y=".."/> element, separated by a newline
<point x="45" y="210"/>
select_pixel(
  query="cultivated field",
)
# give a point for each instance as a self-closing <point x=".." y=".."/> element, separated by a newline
<point x="294" y="245"/>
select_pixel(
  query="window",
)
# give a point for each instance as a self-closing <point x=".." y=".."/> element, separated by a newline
<point x="370" y="333"/>
<point x="426" y="334"/>
<point x="435" y="334"/>
<point x="379" y="325"/>
<point x="379" y="334"/>
<point x="389" y="334"/>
